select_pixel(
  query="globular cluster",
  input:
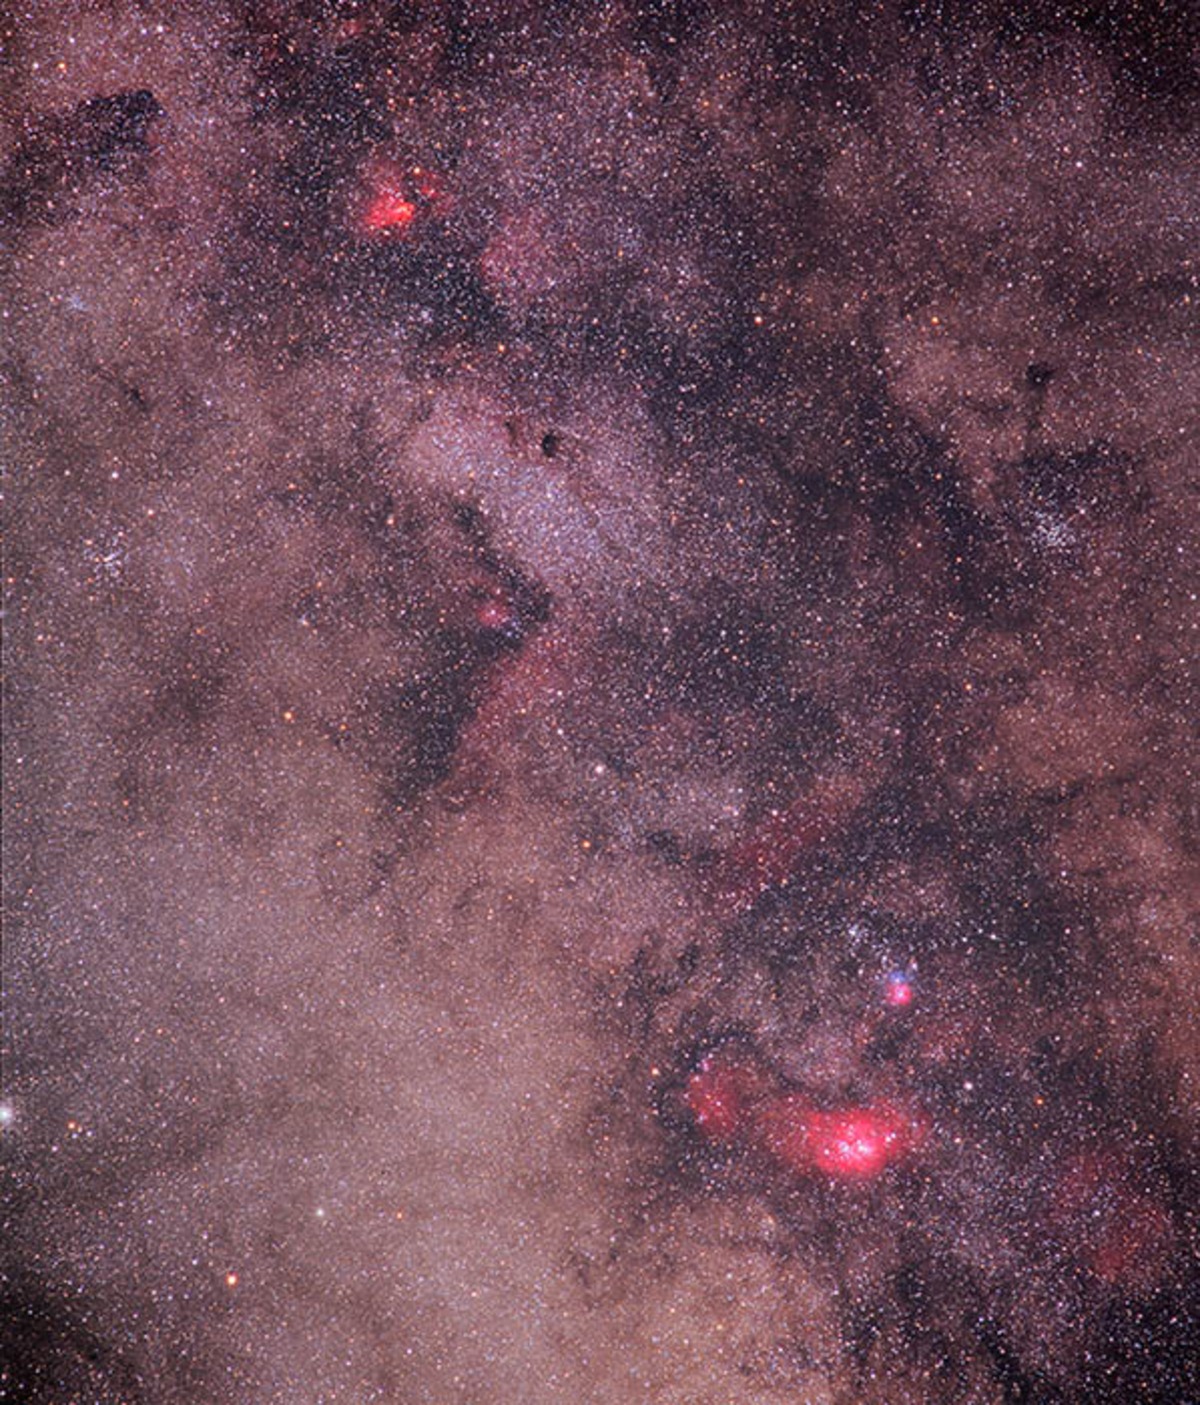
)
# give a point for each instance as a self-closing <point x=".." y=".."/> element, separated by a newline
<point x="600" y="640"/>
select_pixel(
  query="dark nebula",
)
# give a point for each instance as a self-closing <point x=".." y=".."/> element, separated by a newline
<point x="600" y="703"/>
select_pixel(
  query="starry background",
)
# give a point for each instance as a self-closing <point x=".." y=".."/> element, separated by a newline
<point x="597" y="594"/>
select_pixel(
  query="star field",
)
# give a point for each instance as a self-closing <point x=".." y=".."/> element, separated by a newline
<point x="600" y="640"/>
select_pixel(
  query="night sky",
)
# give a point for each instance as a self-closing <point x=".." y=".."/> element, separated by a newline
<point x="600" y="715"/>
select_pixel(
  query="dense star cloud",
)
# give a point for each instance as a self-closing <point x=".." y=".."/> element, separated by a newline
<point x="600" y="702"/>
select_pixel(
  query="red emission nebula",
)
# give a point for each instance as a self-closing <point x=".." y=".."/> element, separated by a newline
<point x="390" y="200"/>
<point x="736" y="1103"/>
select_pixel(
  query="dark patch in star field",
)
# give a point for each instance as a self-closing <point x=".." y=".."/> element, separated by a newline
<point x="61" y="156"/>
<point x="51" y="1356"/>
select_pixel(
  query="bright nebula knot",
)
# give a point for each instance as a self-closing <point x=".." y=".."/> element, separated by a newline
<point x="733" y="1102"/>
<point x="388" y="212"/>
<point x="898" y="990"/>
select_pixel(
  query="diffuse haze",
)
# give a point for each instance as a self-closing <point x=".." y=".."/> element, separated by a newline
<point x="600" y="708"/>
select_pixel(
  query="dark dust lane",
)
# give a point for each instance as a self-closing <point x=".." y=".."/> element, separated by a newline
<point x="600" y="703"/>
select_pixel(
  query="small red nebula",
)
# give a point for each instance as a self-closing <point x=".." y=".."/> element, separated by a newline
<point x="1135" y="1244"/>
<point x="496" y="612"/>
<point x="857" y="1143"/>
<point x="852" y="1143"/>
<point x="720" y="1094"/>
<point x="770" y="854"/>
<point x="1121" y="1232"/>
<point x="898" y="991"/>
<point x="388" y="213"/>
<point x="393" y="198"/>
<point x="430" y="187"/>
